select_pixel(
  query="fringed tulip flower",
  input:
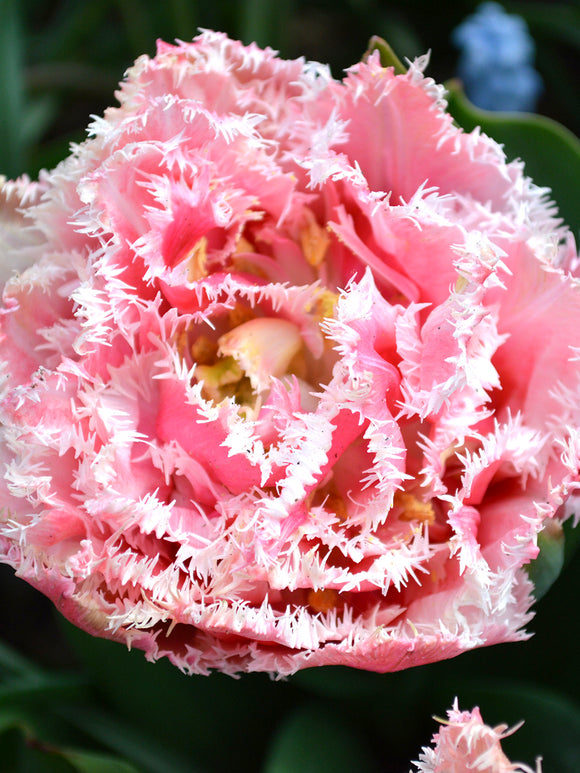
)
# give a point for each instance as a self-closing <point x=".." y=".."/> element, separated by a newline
<point x="289" y="370"/>
<point x="464" y="744"/>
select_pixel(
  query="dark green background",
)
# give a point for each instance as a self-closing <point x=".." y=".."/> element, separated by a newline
<point x="64" y="58"/>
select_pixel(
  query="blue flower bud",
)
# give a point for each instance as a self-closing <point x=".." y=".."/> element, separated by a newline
<point x="496" y="61"/>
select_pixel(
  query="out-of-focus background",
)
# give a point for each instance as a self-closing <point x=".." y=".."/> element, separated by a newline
<point x="60" y="62"/>
<point x="62" y="59"/>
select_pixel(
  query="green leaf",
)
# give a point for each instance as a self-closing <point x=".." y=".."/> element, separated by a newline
<point x="544" y="570"/>
<point x="143" y="695"/>
<point x="551" y="153"/>
<point x="48" y="155"/>
<point x="367" y="697"/>
<point x="34" y="759"/>
<point x="70" y="26"/>
<point x="138" y="25"/>
<point x="388" y="56"/>
<point x="13" y="662"/>
<point x="21" y="749"/>
<point x="10" y="748"/>
<point x="257" y="22"/>
<point x="37" y="118"/>
<point x="314" y="740"/>
<point x="37" y="724"/>
<point x="40" y="687"/>
<point x="139" y="747"/>
<point x="11" y="90"/>
<point x="12" y="718"/>
<point x="88" y="762"/>
<point x="558" y="545"/>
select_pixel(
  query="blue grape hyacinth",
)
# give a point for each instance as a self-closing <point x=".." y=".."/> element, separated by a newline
<point x="496" y="61"/>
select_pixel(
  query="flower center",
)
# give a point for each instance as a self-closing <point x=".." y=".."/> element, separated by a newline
<point x="243" y="360"/>
<point x="414" y="509"/>
<point x="262" y="347"/>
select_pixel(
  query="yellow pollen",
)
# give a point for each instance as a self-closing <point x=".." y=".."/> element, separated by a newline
<point x="204" y="350"/>
<point x="197" y="261"/>
<point x="314" y="241"/>
<point x="414" y="509"/>
<point x="246" y="266"/>
<point x="217" y="378"/>
<point x="298" y="366"/>
<point x="323" y="600"/>
<point x="325" y="304"/>
<point x="243" y="245"/>
<point x="335" y="504"/>
<point x="239" y="314"/>
<point x="242" y="264"/>
<point x="182" y="342"/>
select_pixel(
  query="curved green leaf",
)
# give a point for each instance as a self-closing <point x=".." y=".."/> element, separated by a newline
<point x="87" y="762"/>
<point x="557" y="547"/>
<point x="132" y="743"/>
<point x="12" y="96"/>
<point x="550" y="151"/>
<point x="21" y="749"/>
<point x="42" y="688"/>
<point x="199" y="707"/>
<point x="545" y="569"/>
<point x="13" y="718"/>
<point x="13" y="662"/>
<point x="388" y="56"/>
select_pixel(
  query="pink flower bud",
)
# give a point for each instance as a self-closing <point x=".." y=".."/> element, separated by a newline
<point x="464" y="743"/>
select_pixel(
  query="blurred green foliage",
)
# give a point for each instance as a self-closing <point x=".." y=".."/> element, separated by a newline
<point x="62" y="59"/>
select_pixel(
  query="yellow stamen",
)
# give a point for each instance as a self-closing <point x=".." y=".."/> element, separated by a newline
<point x="243" y="245"/>
<point x="182" y="342"/>
<point x="323" y="600"/>
<point x="247" y="266"/>
<point x="204" y="350"/>
<point x="314" y="241"/>
<point x="324" y="304"/>
<point x="335" y="504"/>
<point x="414" y="509"/>
<point x="217" y="378"/>
<point x="239" y="314"/>
<point x="242" y="264"/>
<point x="197" y="261"/>
<point x="298" y="365"/>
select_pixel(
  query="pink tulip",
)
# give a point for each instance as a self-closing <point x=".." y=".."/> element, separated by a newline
<point x="289" y="370"/>
<point x="464" y="744"/>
